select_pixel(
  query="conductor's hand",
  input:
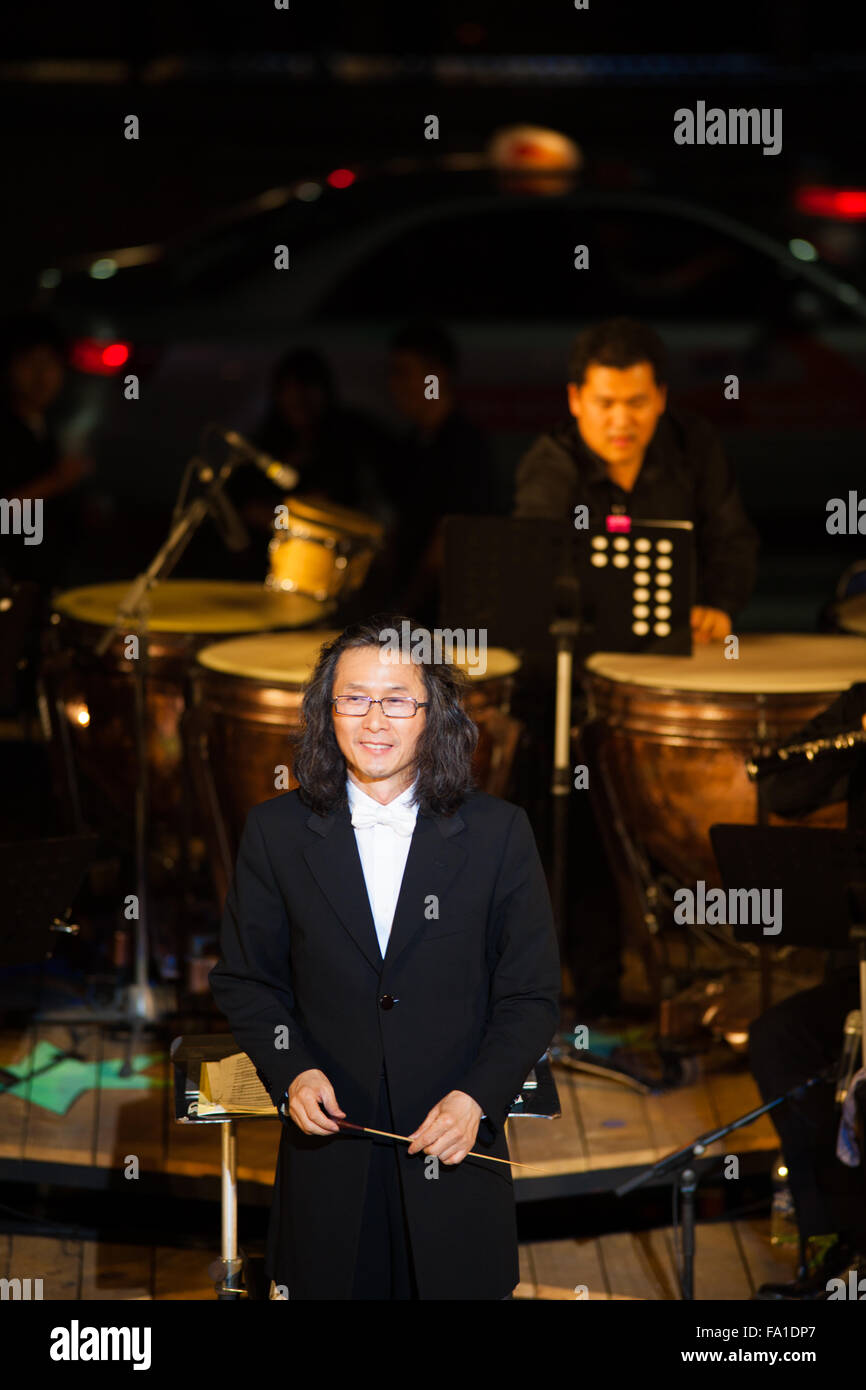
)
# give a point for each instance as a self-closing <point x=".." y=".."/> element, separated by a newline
<point x="307" y="1094"/>
<point x="450" y="1129"/>
<point x="710" y="624"/>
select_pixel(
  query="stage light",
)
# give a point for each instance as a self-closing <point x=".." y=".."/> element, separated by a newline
<point x="77" y="713"/>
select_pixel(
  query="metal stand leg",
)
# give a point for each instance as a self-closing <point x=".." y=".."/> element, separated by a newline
<point x="227" y="1272"/>
<point x="688" y="1182"/>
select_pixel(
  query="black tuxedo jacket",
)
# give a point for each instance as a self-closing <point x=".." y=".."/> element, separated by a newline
<point x="465" y="999"/>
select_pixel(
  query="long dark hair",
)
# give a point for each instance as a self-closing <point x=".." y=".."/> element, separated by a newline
<point x="443" y="752"/>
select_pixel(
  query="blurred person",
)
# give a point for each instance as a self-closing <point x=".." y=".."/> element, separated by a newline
<point x="625" y="450"/>
<point x="340" y="453"/>
<point x="444" y="462"/>
<point x="33" y="464"/>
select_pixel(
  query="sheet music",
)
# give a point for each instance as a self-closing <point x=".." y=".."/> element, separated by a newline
<point x="231" y="1087"/>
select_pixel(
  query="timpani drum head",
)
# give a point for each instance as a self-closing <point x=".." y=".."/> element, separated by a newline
<point x="282" y="658"/>
<point x="768" y="664"/>
<point x="288" y="658"/>
<point x="500" y="663"/>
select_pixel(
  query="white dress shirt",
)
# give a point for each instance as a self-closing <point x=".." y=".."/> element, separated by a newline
<point x="383" y="852"/>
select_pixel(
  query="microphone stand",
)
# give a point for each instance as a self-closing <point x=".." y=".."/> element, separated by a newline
<point x="686" y="1186"/>
<point x="564" y="630"/>
<point x="136" y="1004"/>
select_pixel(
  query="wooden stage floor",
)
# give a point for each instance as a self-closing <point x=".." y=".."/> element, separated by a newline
<point x="606" y="1133"/>
<point x="732" y="1259"/>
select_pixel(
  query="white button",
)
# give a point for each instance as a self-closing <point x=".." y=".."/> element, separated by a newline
<point x="663" y="580"/>
<point x="640" y="610"/>
<point x="662" y="597"/>
<point x="599" y="542"/>
<point x="641" y="562"/>
<point x="664" y="547"/>
<point x="664" y="562"/>
<point x="620" y="543"/>
<point x="599" y="560"/>
<point x="662" y="629"/>
<point x="641" y="595"/>
<point x="663" y="612"/>
<point x="621" y="561"/>
<point x="640" y="629"/>
<point x="642" y="543"/>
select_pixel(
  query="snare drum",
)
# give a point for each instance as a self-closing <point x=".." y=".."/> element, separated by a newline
<point x="246" y="702"/>
<point x="94" y="695"/>
<point x="674" y="733"/>
<point x="321" y="550"/>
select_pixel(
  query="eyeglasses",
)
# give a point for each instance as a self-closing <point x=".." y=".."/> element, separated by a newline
<point x="393" y="706"/>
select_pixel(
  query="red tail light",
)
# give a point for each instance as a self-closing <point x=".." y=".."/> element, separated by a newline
<point x="846" y="204"/>
<point x="97" y="357"/>
<point x="341" y="178"/>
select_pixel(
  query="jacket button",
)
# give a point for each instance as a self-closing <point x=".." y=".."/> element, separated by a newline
<point x="387" y="1001"/>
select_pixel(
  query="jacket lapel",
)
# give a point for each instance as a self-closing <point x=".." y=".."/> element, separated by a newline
<point x="434" y="858"/>
<point x="336" y="866"/>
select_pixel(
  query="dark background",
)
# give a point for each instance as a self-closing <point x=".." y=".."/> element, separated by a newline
<point x="236" y="99"/>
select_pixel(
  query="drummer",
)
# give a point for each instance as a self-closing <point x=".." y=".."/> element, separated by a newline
<point x="625" y="451"/>
<point x="622" y="450"/>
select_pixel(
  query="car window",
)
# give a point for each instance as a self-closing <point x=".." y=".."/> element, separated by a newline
<point x="517" y="262"/>
<point x="506" y="262"/>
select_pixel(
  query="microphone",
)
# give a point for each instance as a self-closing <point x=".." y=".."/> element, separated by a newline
<point x="280" y="474"/>
<point x="848" y="1062"/>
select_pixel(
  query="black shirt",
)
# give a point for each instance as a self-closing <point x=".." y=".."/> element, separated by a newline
<point x="684" y="477"/>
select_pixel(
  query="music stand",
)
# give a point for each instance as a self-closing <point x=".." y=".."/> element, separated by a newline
<point x="538" y="1099"/>
<point x="504" y="574"/>
<point x="40" y="880"/>
<point x="500" y="574"/>
<point x="822" y="878"/>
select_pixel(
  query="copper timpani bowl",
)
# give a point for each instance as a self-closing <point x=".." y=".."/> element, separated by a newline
<point x="675" y="733"/>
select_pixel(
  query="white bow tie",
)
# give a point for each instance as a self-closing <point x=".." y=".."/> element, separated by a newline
<point x="399" y="818"/>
